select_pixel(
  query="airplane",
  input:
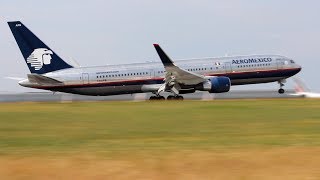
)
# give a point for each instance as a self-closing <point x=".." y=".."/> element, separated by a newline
<point x="303" y="91"/>
<point x="215" y="75"/>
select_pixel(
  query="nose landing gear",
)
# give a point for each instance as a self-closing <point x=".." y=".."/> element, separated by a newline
<point x="281" y="83"/>
<point x="281" y="91"/>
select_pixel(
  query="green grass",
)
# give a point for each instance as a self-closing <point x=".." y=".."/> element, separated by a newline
<point x="112" y="127"/>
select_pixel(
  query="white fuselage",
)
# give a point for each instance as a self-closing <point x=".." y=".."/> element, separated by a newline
<point x="148" y="77"/>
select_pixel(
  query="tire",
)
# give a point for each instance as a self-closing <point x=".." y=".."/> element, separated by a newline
<point x="170" y="97"/>
<point x="281" y="91"/>
<point x="180" y="98"/>
<point x="152" y="98"/>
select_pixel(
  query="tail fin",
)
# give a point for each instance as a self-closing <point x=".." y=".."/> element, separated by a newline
<point x="300" y="86"/>
<point x="38" y="56"/>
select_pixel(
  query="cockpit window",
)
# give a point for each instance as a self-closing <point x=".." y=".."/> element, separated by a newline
<point x="292" y="61"/>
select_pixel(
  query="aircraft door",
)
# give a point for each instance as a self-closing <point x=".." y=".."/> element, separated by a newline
<point x="227" y="67"/>
<point x="85" y="78"/>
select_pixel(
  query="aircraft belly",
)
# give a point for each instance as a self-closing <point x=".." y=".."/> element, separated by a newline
<point x="255" y="80"/>
<point x="261" y="77"/>
<point x="103" y="91"/>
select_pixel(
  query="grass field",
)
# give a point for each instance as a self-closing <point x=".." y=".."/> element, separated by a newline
<point x="225" y="139"/>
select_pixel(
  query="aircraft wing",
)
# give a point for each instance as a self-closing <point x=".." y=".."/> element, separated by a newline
<point x="174" y="74"/>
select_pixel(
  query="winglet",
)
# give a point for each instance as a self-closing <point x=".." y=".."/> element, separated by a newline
<point x="174" y="74"/>
<point x="163" y="56"/>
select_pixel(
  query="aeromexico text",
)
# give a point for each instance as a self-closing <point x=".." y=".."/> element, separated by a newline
<point x="254" y="60"/>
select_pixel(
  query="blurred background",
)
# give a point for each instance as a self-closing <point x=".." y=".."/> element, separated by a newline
<point x="121" y="31"/>
<point x="251" y="138"/>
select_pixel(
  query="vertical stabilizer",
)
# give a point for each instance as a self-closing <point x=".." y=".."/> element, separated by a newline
<point x="38" y="56"/>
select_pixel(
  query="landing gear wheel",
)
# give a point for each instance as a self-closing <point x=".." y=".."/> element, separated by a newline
<point x="179" y="98"/>
<point x="156" y="98"/>
<point x="281" y="83"/>
<point x="281" y="91"/>
<point x="174" y="97"/>
<point x="170" y="97"/>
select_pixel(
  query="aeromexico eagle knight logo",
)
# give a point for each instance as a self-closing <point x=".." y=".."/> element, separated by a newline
<point x="39" y="57"/>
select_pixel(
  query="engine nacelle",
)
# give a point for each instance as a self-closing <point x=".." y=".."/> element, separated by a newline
<point x="217" y="84"/>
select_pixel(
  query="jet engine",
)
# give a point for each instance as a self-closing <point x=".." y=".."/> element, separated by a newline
<point x="217" y="84"/>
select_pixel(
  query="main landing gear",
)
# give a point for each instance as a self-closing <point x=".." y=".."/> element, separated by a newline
<point x="157" y="98"/>
<point x="177" y="97"/>
<point x="281" y="90"/>
<point x="171" y="97"/>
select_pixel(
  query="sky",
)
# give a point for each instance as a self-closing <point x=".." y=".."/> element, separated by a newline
<point x="103" y="32"/>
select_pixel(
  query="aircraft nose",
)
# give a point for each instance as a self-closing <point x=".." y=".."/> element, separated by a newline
<point x="299" y="67"/>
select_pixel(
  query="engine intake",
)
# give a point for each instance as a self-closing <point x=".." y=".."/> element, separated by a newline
<point x="217" y="84"/>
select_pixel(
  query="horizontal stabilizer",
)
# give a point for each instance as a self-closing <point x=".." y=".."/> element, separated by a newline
<point x="15" y="78"/>
<point x="42" y="80"/>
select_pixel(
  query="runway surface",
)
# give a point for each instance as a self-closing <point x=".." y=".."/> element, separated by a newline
<point x="50" y="97"/>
